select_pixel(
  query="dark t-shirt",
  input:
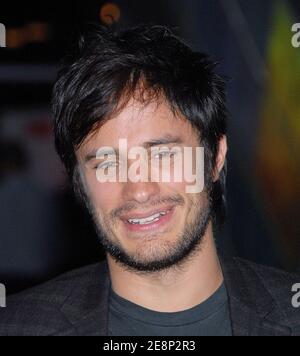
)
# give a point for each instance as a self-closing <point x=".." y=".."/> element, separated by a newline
<point x="210" y="318"/>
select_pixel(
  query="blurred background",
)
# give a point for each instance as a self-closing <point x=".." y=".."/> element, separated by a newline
<point x="43" y="231"/>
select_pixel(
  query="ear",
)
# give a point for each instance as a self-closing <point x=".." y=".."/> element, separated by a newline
<point x="221" y="157"/>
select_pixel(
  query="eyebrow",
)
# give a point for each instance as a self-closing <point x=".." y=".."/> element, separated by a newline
<point x="93" y="153"/>
<point x="165" y="140"/>
<point x="162" y="141"/>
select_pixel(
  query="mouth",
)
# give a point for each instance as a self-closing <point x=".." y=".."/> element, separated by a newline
<point x="150" y="221"/>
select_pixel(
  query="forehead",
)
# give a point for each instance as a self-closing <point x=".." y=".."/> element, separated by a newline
<point x="139" y="123"/>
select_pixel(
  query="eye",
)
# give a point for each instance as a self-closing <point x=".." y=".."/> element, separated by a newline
<point x="105" y="165"/>
<point x="163" y="154"/>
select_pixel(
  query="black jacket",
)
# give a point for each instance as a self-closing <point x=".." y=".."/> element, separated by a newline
<point x="76" y="303"/>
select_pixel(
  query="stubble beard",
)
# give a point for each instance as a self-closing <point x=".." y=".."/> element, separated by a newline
<point x="154" y="254"/>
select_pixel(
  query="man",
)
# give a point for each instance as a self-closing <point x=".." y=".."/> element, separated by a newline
<point x="162" y="276"/>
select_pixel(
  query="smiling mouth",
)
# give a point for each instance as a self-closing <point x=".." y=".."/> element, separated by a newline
<point x="149" y="219"/>
<point x="151" y="222"/>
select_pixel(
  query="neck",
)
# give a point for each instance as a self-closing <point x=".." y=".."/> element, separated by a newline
<point x="175" y="289"/>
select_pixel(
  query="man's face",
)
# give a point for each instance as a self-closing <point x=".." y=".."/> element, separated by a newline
<point x="147" y="226"/>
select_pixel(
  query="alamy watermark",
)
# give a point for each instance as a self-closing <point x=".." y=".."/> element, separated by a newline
<point x="296" y="297"/>
<point x="296" y="36"/>
<point x="2" y="35"/>
<point x="161" y="164"/>
<point x="2" y="296"/>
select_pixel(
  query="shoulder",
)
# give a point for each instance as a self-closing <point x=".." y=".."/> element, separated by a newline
<point x="272" y="278"/>
<point x="38" y="311"/>
<point x="280" y="285"/>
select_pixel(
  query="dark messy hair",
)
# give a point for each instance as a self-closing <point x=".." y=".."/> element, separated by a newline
<point x="109" y="66"/>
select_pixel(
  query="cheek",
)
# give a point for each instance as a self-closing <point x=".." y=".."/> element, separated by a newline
<point x="175" y="188"/>
<point x="105" y="196"/>
<point x="192" y="200"/>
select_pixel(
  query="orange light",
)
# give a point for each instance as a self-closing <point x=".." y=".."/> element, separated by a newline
<point x="110" y="13"/>
<point x="31" y="32"/>
<point x="15" y="38"/>
<point x="37" y="31"/>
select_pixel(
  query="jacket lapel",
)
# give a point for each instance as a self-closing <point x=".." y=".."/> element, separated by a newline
<point x="253" y="311"/>
<point x="87" y="307"/>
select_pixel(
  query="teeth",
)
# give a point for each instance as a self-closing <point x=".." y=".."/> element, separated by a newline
<point x="149" y="219"/>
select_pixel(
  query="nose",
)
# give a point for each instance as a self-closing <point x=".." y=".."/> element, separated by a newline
<point x="141" y="192"/>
